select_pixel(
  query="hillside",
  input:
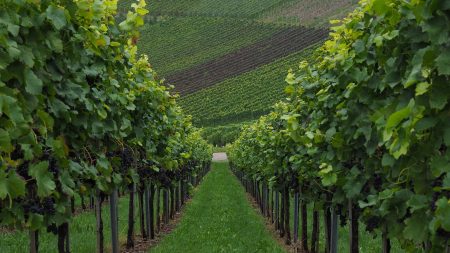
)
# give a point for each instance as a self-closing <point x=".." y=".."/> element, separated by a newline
<point x="228" y="59"/>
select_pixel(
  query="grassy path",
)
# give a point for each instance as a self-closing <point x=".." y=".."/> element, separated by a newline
<point x="219" y="219"/>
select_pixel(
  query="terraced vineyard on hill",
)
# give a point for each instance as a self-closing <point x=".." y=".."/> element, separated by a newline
<point x="228" y="59"/>
<point x="243" y="97"/>
<point x="179" y="43"/>
<point x="246" y="59"/>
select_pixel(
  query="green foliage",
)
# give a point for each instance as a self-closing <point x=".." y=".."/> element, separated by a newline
<point x="79" y="111"/>
<point x="368" y="122"/>
<point x="222" y="135"/>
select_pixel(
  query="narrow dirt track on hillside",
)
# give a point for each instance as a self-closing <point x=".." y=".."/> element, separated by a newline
<point x="279" y="45"/>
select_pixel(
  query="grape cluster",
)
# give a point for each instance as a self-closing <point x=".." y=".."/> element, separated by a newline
<point x="372" y="223"/>
<point x="126" y="158"/>
<point x="144" y="169"/>
<point x="46" y="206"/>
<point x="17" y="154"/>
<point x="163" y="178"/>
<point x="53" y="166"/>
<point x="32" y="206"/>
<point x="22" y="170"/>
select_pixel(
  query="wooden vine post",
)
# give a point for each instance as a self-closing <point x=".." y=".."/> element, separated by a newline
<point x="296" y="216"/>
<point x="334" y="231"/>
<point x="354" y="232"/>
<point x="315" y="233"/>
<point x="34" y="241"/>
<point x="287" y="215"/>
<point x="143" y="205"/>
<point x="304" y="215"/>
<point x="99" y="224"/>
<point x="166" y="206"/>
<point x="151" y="217"/>
<point x="277" y="213"/>
<point x="114" y="222"/>
<point x="386" y="244"/>
<point x="158" y="209"/>
<point x="130" y="234"/>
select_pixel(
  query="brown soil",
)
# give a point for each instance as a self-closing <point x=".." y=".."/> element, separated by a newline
<point x="279" y="45"/>
<point x="293" y="248"/>
<point x="141" y="245"/>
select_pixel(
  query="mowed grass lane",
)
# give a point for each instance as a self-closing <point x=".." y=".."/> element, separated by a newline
<point x="219" y="219"/>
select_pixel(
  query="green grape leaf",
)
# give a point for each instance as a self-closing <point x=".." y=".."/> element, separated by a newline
<point x="5" y="141"/>
<point x="67" y="183"/>
<point x="422" y="88"/>
<point x="443" y="212"/>
<point x="380" y="7"/>
<point x="44" y="178"/>
<point x="387" y="160"/>
<point x="57" y="16"/>
<point x="35" y="221"/>
<point x="417" y="202"/>
<point x="438" y="99"/>
<point x="414" y="229"/>
<point x="443" y="62"/>
<point x="439" y="165"/>
<point x="11" y="185"/>
<point x="397" y="117"/>
<point x="447" y="136"/>
<point x="33" y="84"/>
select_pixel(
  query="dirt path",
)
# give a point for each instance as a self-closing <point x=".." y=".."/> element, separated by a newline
<point x="220" y="157"/>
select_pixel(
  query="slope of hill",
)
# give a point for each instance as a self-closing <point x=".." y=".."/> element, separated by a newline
<point x="243" y="97"/>
<point x="178" y="43"/>
<point x="228" y="59"/>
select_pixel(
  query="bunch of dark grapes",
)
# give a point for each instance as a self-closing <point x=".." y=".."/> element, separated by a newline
<point x="377" y="182"/>
<point x="443" y="233"/>
<point x="372" y="223"/>
<point x="178" y="175"/>
<point x="111" y="154"/>
<point x="163" y="178"/>
<point x="144" y="169"/>
<point x="17" y="154"/>
<point x="53" y="166"/>
<point x="33" y="206"/>
<point x="22" y="170"/>
<point x="126" y="160"/>
<point x="48" y="204"/>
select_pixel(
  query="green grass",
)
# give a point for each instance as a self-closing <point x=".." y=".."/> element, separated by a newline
<point x="219" y="219"/>
<point x="81" y="230"/>
<point x="244" y="97"/>
<point x="174" y="44"/>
